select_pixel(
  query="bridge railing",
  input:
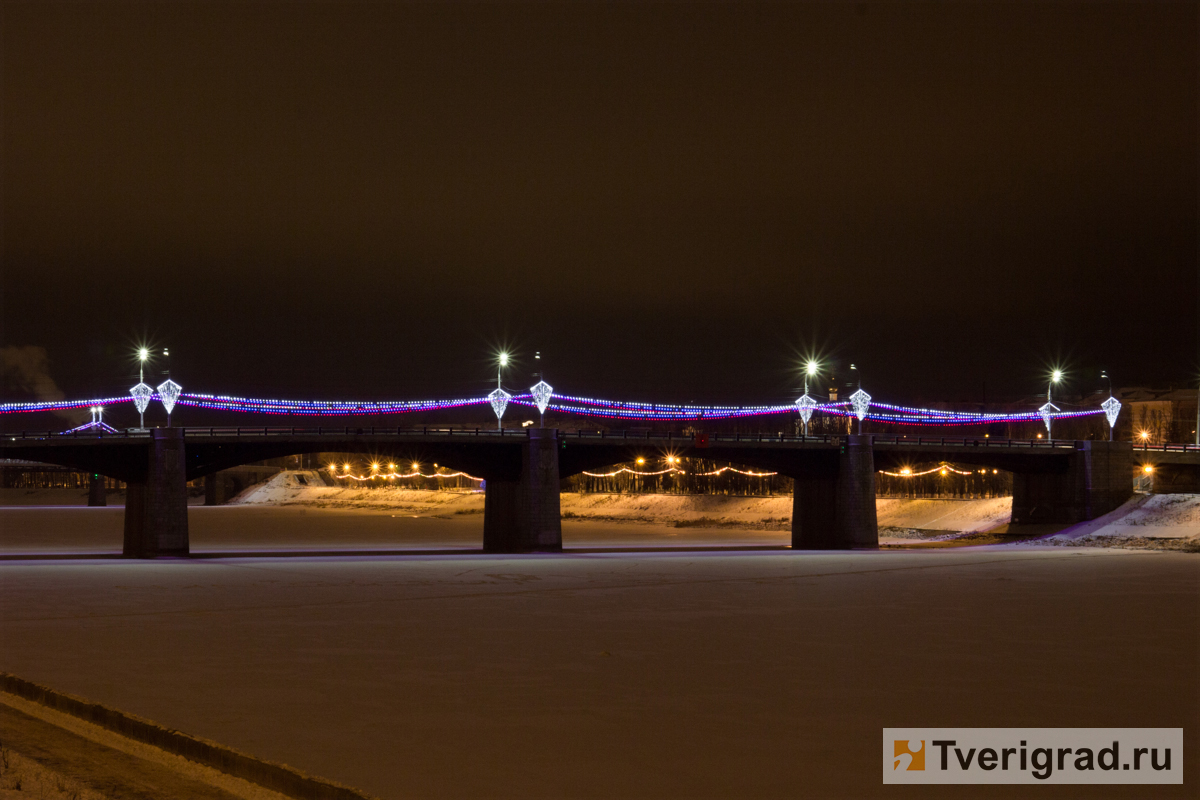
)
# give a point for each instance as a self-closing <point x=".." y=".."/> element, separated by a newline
<point x="671" y="437"/>
<point x="1166" y="448"/>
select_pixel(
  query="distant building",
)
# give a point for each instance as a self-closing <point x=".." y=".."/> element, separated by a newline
<point x="1157" y="416"/>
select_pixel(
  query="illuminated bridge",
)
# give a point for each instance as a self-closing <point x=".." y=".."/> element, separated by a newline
<point x="833" y="507"/>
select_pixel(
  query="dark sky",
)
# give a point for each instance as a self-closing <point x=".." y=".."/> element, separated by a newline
<point x="672" y="202"/>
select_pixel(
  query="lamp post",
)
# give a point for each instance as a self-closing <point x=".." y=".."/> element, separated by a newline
<point x="142" y="393"/>
<point x="541" y="392"/>
<point x="806" y="404"/>
<point x="499" y="398"/>
<point x="1111" y="406"/>
<point x="1047" y="411"/>
<point x="860" y="401"/>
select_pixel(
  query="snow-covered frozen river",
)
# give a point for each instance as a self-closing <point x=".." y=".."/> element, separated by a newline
<point x="734" y="673"/>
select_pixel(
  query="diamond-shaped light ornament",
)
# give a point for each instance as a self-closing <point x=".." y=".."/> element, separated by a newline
<point x="1047" y="412"/>
<point x="168" y="392"/>
<point x="141" y="396"/>
<point x="499" y="400"/>
<point x="1112" y="407"/>
<point x="541" y="395"/>
<point x="806" y="405"/>
<point x="861" y="401"/>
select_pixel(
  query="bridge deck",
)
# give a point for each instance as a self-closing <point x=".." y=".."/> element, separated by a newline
<point x="242" y="433"/>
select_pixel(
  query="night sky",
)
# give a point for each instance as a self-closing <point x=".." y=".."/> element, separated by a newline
<point x="672" y="203"/>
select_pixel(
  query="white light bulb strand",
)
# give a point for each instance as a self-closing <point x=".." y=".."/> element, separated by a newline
<point x="541" y="393"/>
<point x="806" y="406"/>
<point x="1112" y="408"/>
<point x="168" y="393"/>
<point x="499" y="401"/>
<point x="141" y="396"/>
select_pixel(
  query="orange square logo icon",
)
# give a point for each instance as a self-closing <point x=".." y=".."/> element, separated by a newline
<point x="909" y="754"/>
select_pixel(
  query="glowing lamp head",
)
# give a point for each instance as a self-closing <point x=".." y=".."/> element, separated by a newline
<point x="1056" y="376"/>
<point x="811" y="368"/>
<point x="1147" y="469"/>
<point x="504" y="359"/>
<point x="945" y="473"/>
<point x="375" y="468"/>
<point x="905" y="471"/>
<point x="641" y="461"/>
<point x="143" y="354"/>
<point x="415" y="466"/>
<point x="1145" y="435"/>
<point x="346" y="467"/>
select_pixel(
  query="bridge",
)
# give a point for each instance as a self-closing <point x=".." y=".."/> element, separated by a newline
<point x="1062" y="481"/>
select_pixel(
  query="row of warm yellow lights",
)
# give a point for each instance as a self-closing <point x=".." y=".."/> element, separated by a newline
<point x="906" y="472"/>
<point x="672" y="461"/>
<point x="392" y="474"/>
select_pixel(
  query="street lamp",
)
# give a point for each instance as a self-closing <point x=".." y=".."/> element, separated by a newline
<point x="806" y="404"/>
<point x="1047" y="411"/>
<point x="1111" y="406"/>
<point x="860" y="401"/>
<point x="541" y="392"/>
<point x="499" y="398"/>
<point x="142" y="393"/>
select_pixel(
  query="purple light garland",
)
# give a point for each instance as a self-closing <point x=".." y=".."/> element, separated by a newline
<point x="583" y="406"/>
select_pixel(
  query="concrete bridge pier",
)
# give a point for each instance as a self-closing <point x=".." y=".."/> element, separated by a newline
<point x="156" y="507"/>
<point x="97" y="495"/>
<point x="216" y="490"/>
<point x="1098" y="479"/>
<point x="524" y="515"/>
<point x="834" y="509"/>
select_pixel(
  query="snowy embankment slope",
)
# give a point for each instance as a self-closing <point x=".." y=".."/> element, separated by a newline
<point x="715" y="511"/>
<point x="1151" y="521"/>
<point x="1145" y="521"/>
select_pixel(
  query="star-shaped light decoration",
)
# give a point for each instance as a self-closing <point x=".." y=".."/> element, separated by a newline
<point x="541" y="395"/>
<point x="860" y="401"/>
<point x="1047" y="412"/>
<point x="806" y="405"/>
<point x="168" y="392"/>
<point x="141" y="396"/>
<point x="1112" y="407"/>
<point x="499" y="400"/>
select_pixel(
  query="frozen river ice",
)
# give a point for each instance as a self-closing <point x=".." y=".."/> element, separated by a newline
<point x="737" y="673"/>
